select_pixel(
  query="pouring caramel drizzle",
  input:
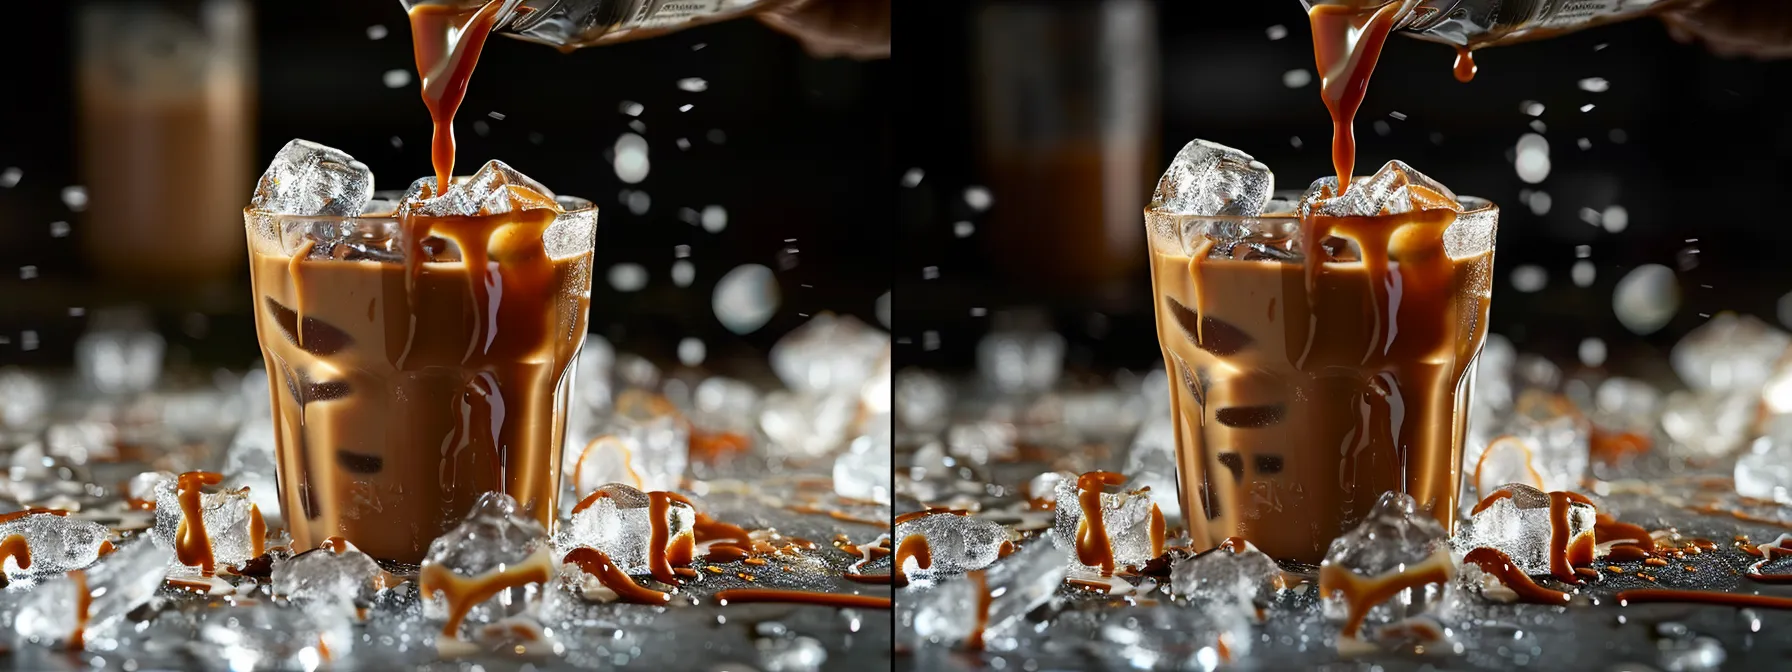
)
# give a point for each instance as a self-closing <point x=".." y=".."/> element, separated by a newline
<point x="974" y="641"/>
<point x="1093" y="548"/>
<point x="1497" y="564"/>
<point x="192" y="546"/>
<point x="463" y="593"/>
<point x="596" y="563"/>
<point x="15" y="547"/>
<point x="445" y="69"/>
<point x="912" y="546"/>
<point x="9" y="517"/>
<point x="1361" y="593"/>
<point x="1767" y="552"/>
<point x="1347" y="42"/>
<point x="1703" y="597"/>
<point x="77" y="640"/>
<point x="744" y="595"/>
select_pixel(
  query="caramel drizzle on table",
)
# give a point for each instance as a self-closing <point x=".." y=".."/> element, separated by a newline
<point x="744" y="595"/>
<point x="1703" y="597"/>
<point x="1361" y="593"/>
<point x="1767" y="552"/>
<point x="192" y="546"/>
<point x="842" y="516"/>
<point x="1498" y="565"/>
<point x="912" y="546"/>
<point x="463" y="593"/>
<point x="596" y="563"/>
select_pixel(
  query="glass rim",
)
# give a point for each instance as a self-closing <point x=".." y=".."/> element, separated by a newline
<point x="1471" y="205"/>
<point x="570" y="205"/>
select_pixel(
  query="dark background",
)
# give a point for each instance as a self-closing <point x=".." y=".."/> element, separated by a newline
<point x="1706" y="153"/>
<point x="800" y="171"/>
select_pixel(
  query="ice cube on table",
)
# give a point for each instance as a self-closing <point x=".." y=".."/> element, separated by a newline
<point x="956" y="543"/>
<point x="923" y="400"/>
<point x="1395" y="189"/>
<point x="1519" y="526"/>
<point x="948" y="613"/>
<point x="57" y="543"/>
<point x="307" y="178"/>
<point x="645" y="445"/>
<point x="1711" y="423"/>
<point x="618" y="521"/>
<point x="829" y="354"/>
<point x="324" y="575"/>
<point x="863" y="471"/>
<point x="1207" y="178"/>
<point x="1626" y="404"/>
<point x="1178" y="637"/>
<point x="492" y="539"/>
<point x="24" y="397"/>
<point x="118" y="584"/>
<point x="226" y="515"/>
<point x="1765" y="471"/>
<point x="983" y="441"/>
<point x="1225" y="576"/>
<point x="249" y="462"/>
<point x="495" y="188"/>
<point x="1394" y="539"/>
<point x="1729" y="353"/>
<point x="1558" y="435"/>
<point x="1133" y="523"/>
<point x="120" y="353"/>
<point x="1021" y="358"/>
<point x="1507" y="459"/>
<point x="1151" y="463"/>
<point x="722" y="404"/>
<point x="262" y="635"/>
<point x="808" y="425"/>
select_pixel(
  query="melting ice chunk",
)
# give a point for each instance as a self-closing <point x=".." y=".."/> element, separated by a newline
<point x="261" y="635"/>
<point x="1520" y="526"/>
<point x="1239" y="577"/>
<point x="1207" y="178"/>
<point x="617" y="520"/>
<point x="1729" y="353"/>
<point x="956" y="543"/>
<point x="1396" y="547"/>
<point x="1395" y="189"/>
<point x="949" y="612"/>
<point x="495" y="188"/>
<point x="863" y="471"/>
<point x="1133" y="524"/>
<point x="324" y="575"/>
<point x="227" y="518"/>
<point x="493" y="542"/>
<point x="307" y="178"/>
<point x="1151" y="463"/>
<point x="123" y="581"/>
<point x="829" y="354"/>
<point x="58" y="543"/>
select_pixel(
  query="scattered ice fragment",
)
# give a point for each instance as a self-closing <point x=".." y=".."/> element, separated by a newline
<point x="261" y="635"/>
<point x="829" y="355"/>
<point x="1584" y="143"/>
<point x="1277" y="32"/>
<point x="1132" y="522"/>
<point x="1729" y="353"/>
<point x="376" y="32"/>
<point x="1591" y="351"/>
<point x="1529" y="278"/>
<point x="912" y="178"/>
<point x="644" y="446"/>
<point x="978" y="198"/>
<point x="630" y="108"/>
<point x="493" y="539"/>
<point x="1151" y="463"/>
<point x="618" y="522"/>
<point x="75" y="198"/>
<point x="1395" y="539"/>
<point x="1020" y="355"/>
<point x="882" y="309"/>
<point x="631" y="162"/>
<point x="863" y="471"/>
<point x="250" y="462"/>
<point x="10" y="177"/>
<point x="1583" y="273"/>
<point x="307" y="178"/>
<point x="1296" y="78"/>
<point x="1709" y="424"/>
<point x="1680" y="650"/>
<point x="1520" y="527"/>
<point x="690" y="351"/>
<point x="119" y="353"/>
<point x="225" y="514"/>
<point x="1531" y="107"/>
<point x="1238" y="577"/>
<point x="983" y="441"/>
<point x="714" y="218"/>
<point x="57" y="543"/>
<point x="324" y="576"/>
<point x="793" y="654"/>
<point x="1558" y="436"/>
<point x="948" y="613"/>
<point x="1587" y="107"/>
<point x="686" y="107"/>
<point x="1646" y="298"/>
<point x="1179" y="637"/>
<point x="58" y="229"/>
<point x="1615" y="218"/>
<point x="923" y="400"/>
<point x="1208" y="178"/>
<point x="808" y="425"/>
<point x="123" y="581"/>
<point x="24" y="397"/>
<point x="693" y="84"/>
<point x="1765" y="471"/>
<point x="963" y="229"/>
<point x="957" y="543"/>
<point x="396" y="78"/>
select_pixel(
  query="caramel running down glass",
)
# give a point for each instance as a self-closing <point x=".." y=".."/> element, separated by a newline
<point x="405" y="384"/>
<point x="1302" y="392"/>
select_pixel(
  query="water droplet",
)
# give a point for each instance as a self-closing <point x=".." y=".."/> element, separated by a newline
<point x="1531" y="107"/>
<point x="691" y="352"/>
<point x="683" y="273"/>
<point x="396" y="78"/>
<point x="1296" y="78"/>
<point x="1529" y="278"/>
<point x="1592" y="352"/>
<point x="912" y="178"/>
<point x="1616" y="218"/>
<point x="1540" y="202"/>
<point x="10" y="177"/>
<point x="978" y="198"/>
<point x="963" y="229"/>
<point x="639" y="202"/>
<point x="1646" y="298"/>
<point x="631" y="108"/>
<point x="628" y="277"/>
<point x="714" y="219"/>
<point x="75" y="197"/>
<point x="1532" y="162"/>
<point x="376" y="32"/>
<point x="58" y="229"/>
<point x="1277" y="32"/>
<point x="631" y="161"/>
<point x="1594" y="85"/>
<point x="745" y="298"/>
<point x="693" y="84"/>
<point x="1583" y="273"/>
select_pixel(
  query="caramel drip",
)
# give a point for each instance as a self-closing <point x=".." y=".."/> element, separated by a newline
<point x="106" y="548"/>
<point x="725" y="553"/>
<point x="1703" y="597"/>
<point x="1347" y="42"/>
<point x="1609" y="529"/>
<point x="595" y="563"/>
<point x="258" y="532"/>
<point x="192" y="545"/>
<point x="77" y="640"/>
<point x="917" y="515"/>
<point x="1157" y="531"/>
<point x="1093" y="548"/>
<point x="1005" y="550"/>
<point x="912" y="546"/>
<point x="589" y="500"/>
<point x="445" y="69"/>
<point x="1361" y="593"/>
<point x="463" y="593"/>
<point x="15" y="547"/>
<point x="1767" y="552"/>
<point x="1626" y="554"/>
<point x="1489" y="500"/>
<point x="836" y="515"/>
<point x="745" y="595"/>
<point x="974" y="640"/>
<point x="1496" y="563"/>
<point x="1561" y="565"/>
<point x="9" y="517"/>
<point x="868" y="578"/>
<point x="1465" y="67"/>
<point x="658" y="505"/>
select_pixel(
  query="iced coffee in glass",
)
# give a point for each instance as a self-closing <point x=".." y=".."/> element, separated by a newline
<point x="1317" y="344"/>
<point x="418" y="348"/>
